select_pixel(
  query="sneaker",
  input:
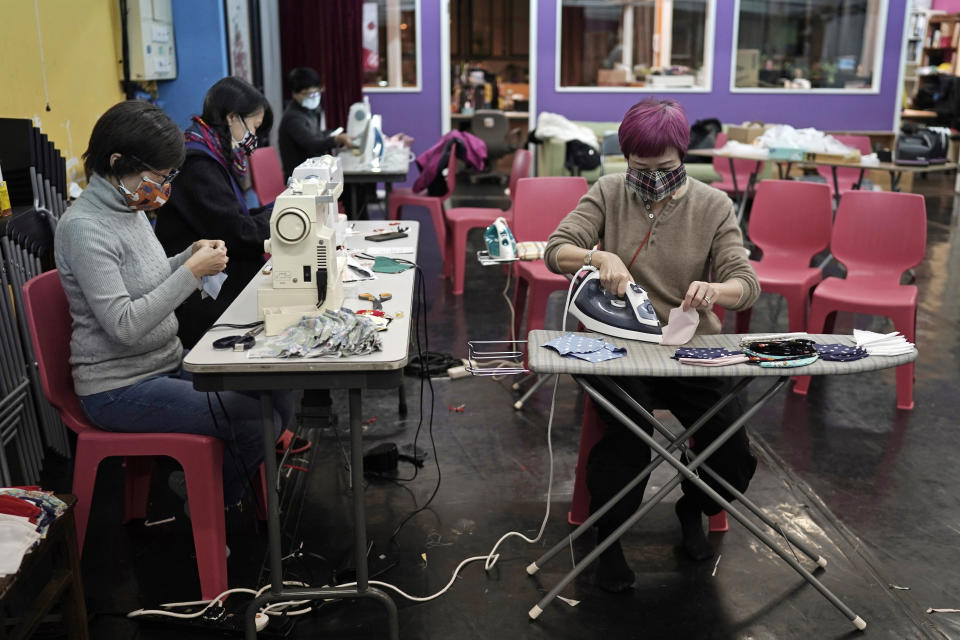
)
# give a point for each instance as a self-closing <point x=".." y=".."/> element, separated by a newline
<point x="295" y="444"/>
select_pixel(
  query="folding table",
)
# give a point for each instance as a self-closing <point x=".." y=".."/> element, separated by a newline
<point x="651" y="360"/>
<point x="393" y="167"/>
<point x="214" y="370"/>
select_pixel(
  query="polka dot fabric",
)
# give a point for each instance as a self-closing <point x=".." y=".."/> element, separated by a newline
<point x="585" y="348"/>
<point x="840" y="352"/>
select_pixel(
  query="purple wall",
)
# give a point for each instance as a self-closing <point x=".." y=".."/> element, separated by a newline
<point x="867" y="112"/>
<point x="418" y="114"/>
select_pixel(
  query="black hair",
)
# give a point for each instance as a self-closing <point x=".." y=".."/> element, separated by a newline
<point x="231" y="95"/>
<point x="143" y="135"/>
<point x="301" y="78"/>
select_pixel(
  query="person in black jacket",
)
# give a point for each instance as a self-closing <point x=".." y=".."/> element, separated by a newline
<point x="300" y="134"/>
<point x="209" y="203"/>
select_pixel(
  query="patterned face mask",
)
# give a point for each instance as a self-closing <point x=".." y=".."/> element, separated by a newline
<point x="655" y="185"/>
<point x="249" y="140"/>
<point x="148" y="195"/>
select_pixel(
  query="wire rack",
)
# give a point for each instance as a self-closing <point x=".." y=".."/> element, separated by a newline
<point x="496" y="357"/>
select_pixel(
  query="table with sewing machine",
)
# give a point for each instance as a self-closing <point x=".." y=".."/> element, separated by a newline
<point x="223" y="370"/>
<point x="784" y="167"/>
<point x="653" y="360"/>
<point x="358" y="171"/>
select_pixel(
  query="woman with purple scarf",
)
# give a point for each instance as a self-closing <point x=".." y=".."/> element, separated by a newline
<point x="209" y="199"/>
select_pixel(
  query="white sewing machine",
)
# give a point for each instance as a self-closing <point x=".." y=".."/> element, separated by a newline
<point x="306" y="271"/>
<point x="366" y="131"/>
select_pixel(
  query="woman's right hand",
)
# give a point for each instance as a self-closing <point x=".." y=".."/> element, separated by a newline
<point x="613" y="273"/>
<point x="207" y="261"/>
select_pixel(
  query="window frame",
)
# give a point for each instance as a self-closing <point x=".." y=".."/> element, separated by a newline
<point x="418" y="88"/>
<point x="877" y="62"/>
<point x="708" y="61"/>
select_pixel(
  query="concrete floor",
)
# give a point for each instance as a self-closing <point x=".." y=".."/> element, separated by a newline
<point x="871" y="486"/>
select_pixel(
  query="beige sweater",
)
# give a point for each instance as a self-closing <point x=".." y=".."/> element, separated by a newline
<point x="695" y="235"/>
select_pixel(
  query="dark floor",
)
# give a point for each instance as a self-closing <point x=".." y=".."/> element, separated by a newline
<point x="873" y="487"/>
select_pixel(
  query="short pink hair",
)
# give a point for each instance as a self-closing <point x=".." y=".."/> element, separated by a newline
<point x="652" y="126"/>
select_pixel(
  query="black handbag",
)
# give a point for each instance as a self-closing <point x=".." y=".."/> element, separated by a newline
<point x="919" y="145"/>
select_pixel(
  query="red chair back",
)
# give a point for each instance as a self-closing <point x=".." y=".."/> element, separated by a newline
<point x="847" y="176"/>
<point x="48" y="318"/>
<point x="266" y="174"/>
<point x="520" y="169"/>
<point x="541" y="203"/>
<point x="790" y="221"/>
<point x="451" y="171"/>
<point x="880" y="234"/>
<point x="721" y="164"/>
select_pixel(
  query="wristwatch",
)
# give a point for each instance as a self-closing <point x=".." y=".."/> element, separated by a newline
<point x="588" y="259"/>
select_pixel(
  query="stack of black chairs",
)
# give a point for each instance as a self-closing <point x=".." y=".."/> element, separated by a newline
<point x="36" y="177"/>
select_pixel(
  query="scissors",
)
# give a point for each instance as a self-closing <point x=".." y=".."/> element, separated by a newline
<point x="238" y="343"/>
<point x="377" y="302"/>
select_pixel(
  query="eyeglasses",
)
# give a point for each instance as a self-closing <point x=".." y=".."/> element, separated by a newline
<point x="166" y="178"/>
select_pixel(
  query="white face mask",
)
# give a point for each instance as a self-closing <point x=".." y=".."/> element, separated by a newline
<point x="311" y="102"/>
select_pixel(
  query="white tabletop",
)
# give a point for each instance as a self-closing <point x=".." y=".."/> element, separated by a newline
<point x="395" y="341"/>
<point x="395" y="161"/>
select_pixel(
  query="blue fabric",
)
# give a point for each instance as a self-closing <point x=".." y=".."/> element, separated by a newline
<point x="840" y="352"/>
<point x="589" y="349"/>
<point x="170" y="404"/>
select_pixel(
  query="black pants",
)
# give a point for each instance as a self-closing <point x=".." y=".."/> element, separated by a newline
<point x="620" y="455"/>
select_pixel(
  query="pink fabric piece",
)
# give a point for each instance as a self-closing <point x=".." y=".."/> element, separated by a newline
<point x="681" y="325"/>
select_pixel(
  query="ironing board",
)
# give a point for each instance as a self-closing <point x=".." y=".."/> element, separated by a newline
<point x="652" y="360"/>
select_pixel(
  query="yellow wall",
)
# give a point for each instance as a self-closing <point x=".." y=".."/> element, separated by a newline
<point x="81" y="55"/>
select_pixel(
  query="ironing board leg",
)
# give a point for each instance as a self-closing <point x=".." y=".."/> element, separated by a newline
<point x="533" y="567"/>
<point x="541" y="379"/>
<point x="809" y="551"/>
<point x="687" y="472"/>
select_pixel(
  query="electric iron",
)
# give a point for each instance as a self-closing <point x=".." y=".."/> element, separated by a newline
<point x="631" y="317"/>
<point x="499" y="240"/>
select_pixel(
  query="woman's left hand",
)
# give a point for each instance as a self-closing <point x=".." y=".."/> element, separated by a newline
<point x="213" y="244"/>
<point x="700" y="295"/>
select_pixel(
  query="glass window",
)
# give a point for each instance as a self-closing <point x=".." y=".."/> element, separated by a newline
<point x="808" y="44"/>
<point x="657" y="44"/>
<point x="390" y="44"/>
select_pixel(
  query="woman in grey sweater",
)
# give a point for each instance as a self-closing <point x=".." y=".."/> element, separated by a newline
<point x="123" y="290"/>
<point x="679" y="239"/>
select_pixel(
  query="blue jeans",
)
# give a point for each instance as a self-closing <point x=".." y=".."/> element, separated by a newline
<point x="170" y="404"/>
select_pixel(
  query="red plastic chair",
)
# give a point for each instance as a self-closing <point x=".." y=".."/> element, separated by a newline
<point x="790" y="222"/>
<point x="266" y="174"/>
<point x="846" y="178"/>
<point x="404" y="197"/>
<point x="48" y="317"/>
<point x="538" y="207"/>
<point x="742" y="167"/>
<point x="461" y="219"/>
<point x="877" y="235"/>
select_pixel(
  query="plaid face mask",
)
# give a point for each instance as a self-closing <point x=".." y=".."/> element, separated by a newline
<point x="655" y="185"/>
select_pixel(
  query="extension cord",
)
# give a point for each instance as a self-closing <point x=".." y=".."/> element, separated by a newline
<point x="458" y="372"/>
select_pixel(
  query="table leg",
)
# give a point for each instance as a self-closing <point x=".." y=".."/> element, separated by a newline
<point x="895" y="180"/>
<point x="354" y="214"/>
<point x="780" y="170"/>
<point x="742" y="208"/>
<point x="361" y="588"/>
<point x="859" y="179"/>
<point x="733" y="176"/>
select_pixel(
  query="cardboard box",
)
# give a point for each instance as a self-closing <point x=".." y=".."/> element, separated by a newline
<point x="853" y="157"/>
<point x="745" y="133"/>
<point x="748" y="68"/>
<point x="611" y="77"/>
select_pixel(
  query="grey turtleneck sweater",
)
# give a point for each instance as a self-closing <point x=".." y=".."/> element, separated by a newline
<point x="122" y="291"/>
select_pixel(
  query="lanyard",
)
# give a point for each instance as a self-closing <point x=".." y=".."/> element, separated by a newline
<point x="641" y="246"/>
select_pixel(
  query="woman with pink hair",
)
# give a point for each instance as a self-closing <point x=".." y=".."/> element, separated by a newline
<point x="679" y="239"/>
